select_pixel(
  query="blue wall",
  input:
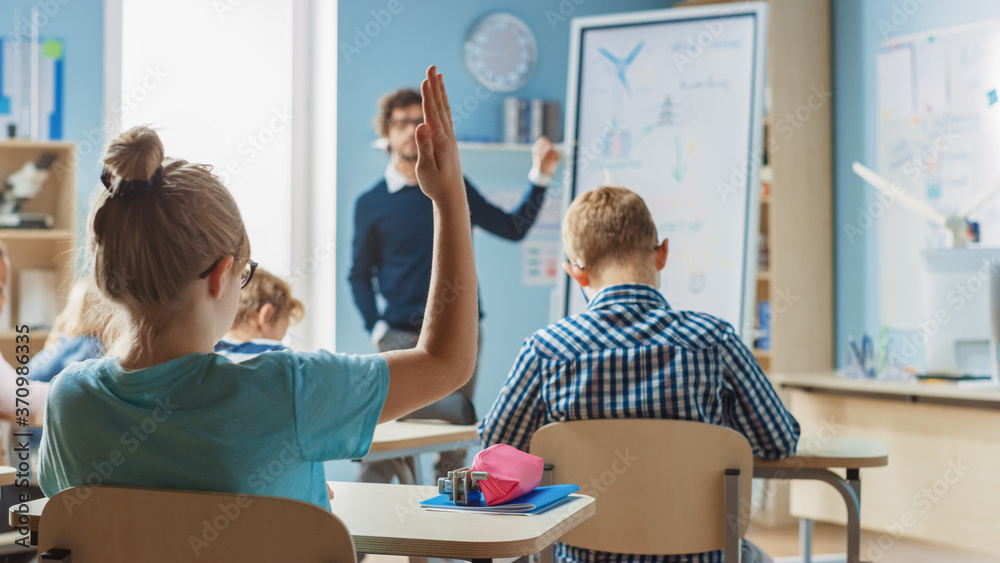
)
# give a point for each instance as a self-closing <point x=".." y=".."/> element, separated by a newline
<point x="397" y="56"/>
<point x="858" y="27"/>
<point x="80" y="25"/>
<point x="416" y="37"/>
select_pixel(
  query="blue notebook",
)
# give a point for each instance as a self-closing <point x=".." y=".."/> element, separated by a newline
<point x="538" y="500"/>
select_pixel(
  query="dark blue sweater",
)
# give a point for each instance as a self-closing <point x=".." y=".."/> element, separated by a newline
<point x="393" y="240"/>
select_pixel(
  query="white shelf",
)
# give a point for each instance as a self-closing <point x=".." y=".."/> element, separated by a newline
<point x="8" y="234"/>
<point x="380" y="144"/>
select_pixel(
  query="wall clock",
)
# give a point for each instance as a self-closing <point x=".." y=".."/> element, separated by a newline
<point x="500" y="51"/>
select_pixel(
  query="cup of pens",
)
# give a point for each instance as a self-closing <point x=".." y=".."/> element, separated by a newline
<point x="860" y="358"/>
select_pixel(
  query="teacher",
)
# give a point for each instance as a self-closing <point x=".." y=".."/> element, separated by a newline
<point x="393" y="234"/>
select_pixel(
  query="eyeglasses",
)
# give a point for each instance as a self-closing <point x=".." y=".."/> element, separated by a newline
<point x="245" y="276"/>
<point x="403" y="123"/>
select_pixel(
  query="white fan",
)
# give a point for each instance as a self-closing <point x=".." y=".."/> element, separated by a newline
<point x="957" y="225"/>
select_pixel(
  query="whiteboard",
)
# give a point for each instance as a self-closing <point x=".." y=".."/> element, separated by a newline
<point x="939" y="139"/>
<point x="669" y="104"/>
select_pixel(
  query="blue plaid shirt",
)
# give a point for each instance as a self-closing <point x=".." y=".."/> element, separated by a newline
<point x="631" y="356"/>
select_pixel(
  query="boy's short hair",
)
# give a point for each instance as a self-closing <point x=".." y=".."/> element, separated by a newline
<point x="265" y="288"/>
<point x="608" y="224"/>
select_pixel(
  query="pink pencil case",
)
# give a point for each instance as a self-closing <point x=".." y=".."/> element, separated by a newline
<point x="512" y="473"/>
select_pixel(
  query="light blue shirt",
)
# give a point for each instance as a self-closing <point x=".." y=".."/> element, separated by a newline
<point x="201" y="422"/>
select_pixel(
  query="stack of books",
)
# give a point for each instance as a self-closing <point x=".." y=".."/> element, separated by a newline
<point x="525" y="120"/>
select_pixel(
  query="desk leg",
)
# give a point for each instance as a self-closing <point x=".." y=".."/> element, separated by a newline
<point x="805" y="539"/>
<point x="403" y="471"/>
<point x="547" y="555"/>
<point x="854" y="480"/>
<point x="419" y="474"/>
<point x="847" y="492"/>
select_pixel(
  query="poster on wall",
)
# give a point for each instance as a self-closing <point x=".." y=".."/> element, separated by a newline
<point x="32" y="88"/>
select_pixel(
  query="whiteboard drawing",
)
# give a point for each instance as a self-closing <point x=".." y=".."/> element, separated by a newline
<point x="622" y="64"/>
<point x="683" y="137"/>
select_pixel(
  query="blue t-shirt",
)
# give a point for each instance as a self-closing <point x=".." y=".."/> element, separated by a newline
<point x="201" y="422"/>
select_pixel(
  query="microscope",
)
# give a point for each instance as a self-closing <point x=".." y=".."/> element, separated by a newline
<point x="21" y="186"/>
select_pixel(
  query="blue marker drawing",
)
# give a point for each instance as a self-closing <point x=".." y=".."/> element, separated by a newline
<point x="679" y="168"/>
<point x="992" y="95"/>
<point x="622" y="65"/>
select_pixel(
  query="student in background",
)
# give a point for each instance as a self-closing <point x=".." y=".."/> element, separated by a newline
<point x="266" y="309"/>
<point x="81" y="331"/>
<point x="631" y="355"/>
<point x="8" y="376"/>
<point x="170" y="249"/>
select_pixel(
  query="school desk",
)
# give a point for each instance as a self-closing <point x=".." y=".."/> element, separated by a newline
<point x="941" y="484"/>
<point x="398" y="439"/>
<point x="7" y="475"/>
<point x="815" y="460"/>
<point x="387" y="519"/>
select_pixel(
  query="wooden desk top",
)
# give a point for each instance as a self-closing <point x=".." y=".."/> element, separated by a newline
<point x="830" y="382"/>
<point x="387" y="519"/>
<point x="7" y="475"/>
<point x="396" y="435"/>
<point x="835" y="453"/>
<point x="35" y="508"/>
<point x="399" y="503"/>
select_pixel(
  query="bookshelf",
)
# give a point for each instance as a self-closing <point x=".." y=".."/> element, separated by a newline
<point x="40" y="249"/>
<point x="796" y="214"/>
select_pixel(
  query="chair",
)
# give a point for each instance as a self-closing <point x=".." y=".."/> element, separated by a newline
<point x="454" y="408"/>
<point x="109" y="524"/>
<point x="663" y="487"/>
<point x="7" y="475"/>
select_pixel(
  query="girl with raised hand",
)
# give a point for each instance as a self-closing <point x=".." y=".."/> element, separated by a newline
<point x="170" y="249"/>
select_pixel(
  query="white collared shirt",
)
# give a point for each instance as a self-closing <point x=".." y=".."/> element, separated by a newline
<point x="396" y="180"/>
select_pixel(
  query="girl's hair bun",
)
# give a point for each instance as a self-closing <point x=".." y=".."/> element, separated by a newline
<point x="134" y="159"/>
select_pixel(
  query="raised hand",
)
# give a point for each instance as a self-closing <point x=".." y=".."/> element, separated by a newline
<point x="445" y="355"/>
<point x="544" y="156"/>
<point x="439" y="171"/>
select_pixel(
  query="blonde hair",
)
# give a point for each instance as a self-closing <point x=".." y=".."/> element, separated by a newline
<point x="265" y="288"/>
<point x="86" y="314"/>
<point x="156" y="227"/>
<point x="607" y="225"/>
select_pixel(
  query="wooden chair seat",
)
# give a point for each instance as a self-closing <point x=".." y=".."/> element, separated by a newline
<point x="110" y="524"/>
<point x="663" y="487"/>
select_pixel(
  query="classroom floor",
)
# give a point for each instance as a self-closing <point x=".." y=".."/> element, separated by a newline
<point x="780" y="543"/>
<point x="783" y="545"/>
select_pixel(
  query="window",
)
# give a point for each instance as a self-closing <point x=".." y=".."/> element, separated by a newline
<point x="229" y="83"/>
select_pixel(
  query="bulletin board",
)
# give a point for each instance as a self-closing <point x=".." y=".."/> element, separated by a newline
<point x="939" y="139"/>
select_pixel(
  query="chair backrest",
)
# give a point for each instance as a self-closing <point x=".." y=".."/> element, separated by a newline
<point x="455" y="408"/>
<point x="110" y="524"/>
<point x="658" y="483"/>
